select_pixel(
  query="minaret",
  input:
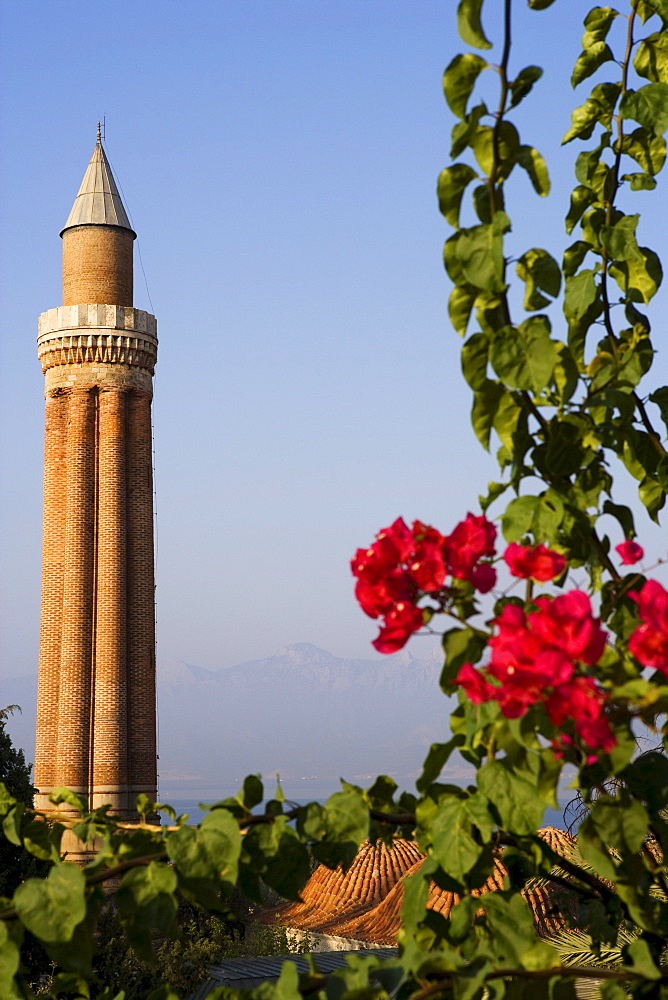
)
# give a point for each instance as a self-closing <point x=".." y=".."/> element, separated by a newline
<point x="96" y="717"/>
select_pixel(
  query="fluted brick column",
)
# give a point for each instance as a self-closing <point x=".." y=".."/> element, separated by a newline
<point x="55" y="443"/>
<point x="141" y="597"/>
<point x="77" y="620"/>
<point x="110" y="750"/>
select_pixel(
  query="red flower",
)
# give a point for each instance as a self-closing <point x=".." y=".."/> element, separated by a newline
<point x="535" y="659"/>
<point x="428" y="568"/>
<point x="567" y="624"/>
<point x="630" y="552"/>
<point x="483" y="577"/>
<point x="378" y="598"/>
<point x="539" y="562"/>
<point x="400" y="623"/>
<point x="583" y="702"/>
<point x="649" y="642"/>
<point x="472" y="540"/>
<point x="474" y="684"/>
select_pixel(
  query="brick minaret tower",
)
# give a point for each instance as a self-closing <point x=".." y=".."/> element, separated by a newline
<point x="96" y="720"/>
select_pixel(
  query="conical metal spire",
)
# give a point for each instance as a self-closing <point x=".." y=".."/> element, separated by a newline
<point x="98" y="202"/>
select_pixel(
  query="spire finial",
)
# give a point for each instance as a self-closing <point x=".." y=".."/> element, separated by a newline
<point x="99" y="131"/>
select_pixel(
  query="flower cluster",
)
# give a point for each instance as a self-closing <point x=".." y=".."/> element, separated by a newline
<point x="405" y="564"/>
<point x="538" y="563"/>
<point x="540" y="657"/>
<point x="649" y="642"/>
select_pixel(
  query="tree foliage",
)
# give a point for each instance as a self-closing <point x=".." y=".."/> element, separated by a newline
<point x="556" y="676"/>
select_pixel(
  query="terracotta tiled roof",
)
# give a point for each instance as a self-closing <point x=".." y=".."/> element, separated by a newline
<point x="332" y="894"/>
<point x="365" y="903"/>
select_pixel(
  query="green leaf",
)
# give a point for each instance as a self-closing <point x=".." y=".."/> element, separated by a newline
<point x="574" y="256"/>
<point x="460" y="645"/>
<point x="10" y="959"/>
<point x="210" y="851"/>
<point x="51" y="908"/>
<point x="62" y="794"/>
<point x="524" y="357"/>
<point x="347" y="816"/>
<point x="537" y="516"/>
<point x="620" y="240"/>
<point x="146" y="902"/>
<point x="501" y="153"/>
<point x="475" y="357"/>
<point x="469" y="24"/>
<point x="438" y="756"/>
<point x="523" y="83"/>
<point x="589" y="60"/>
<point x="581" y="293"/>
<point x="541" y="273"/>
<point x="598" y="23"/>
<point x="460" y="304"/>
<point x="485" y="407"/>
<point x="452" y="183"/>
<point x="647" y="149"/>
<point x="453" y="845"/>
<point x="660" y="398"/>
<point x="520" y="809"/>
<point x="623" y="515"/>
<point x="459" y="80"/>
<point x="620" y="822"/>
<point x="479" y="252"/>
<point x="565" y="372"/>
<point x="463" y="131"/>
<point x="651" y="58"/>
<point x="647" y="106"/>
<point x="641" y="959"/>
<point x="11" y="824"/>
<point x="646" y="8"/>
<point x="563" y="452"/>
<point x="507" y="418"/>
<point x="639" y="278"/>
<point x="581" y="199"/>
<point x="639" y="182"/>
<point x="534" y="164"/>
<point x="37" y="840"/>
<point x="653" y="496"/>
<point x="597" y="108"/>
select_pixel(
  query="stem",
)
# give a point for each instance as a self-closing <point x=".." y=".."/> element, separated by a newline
<point x="653" y="436"/>
<point x="598" y="885"/>
<point x="503" y="97"/>
<point x="570" y="972"/>
<point x="614" y="187"/>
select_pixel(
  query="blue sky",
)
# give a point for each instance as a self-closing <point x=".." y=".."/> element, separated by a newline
<point x="279" y="161"/>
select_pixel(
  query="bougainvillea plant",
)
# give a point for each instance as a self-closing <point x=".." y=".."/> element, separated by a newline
<point x="555" y="642"/>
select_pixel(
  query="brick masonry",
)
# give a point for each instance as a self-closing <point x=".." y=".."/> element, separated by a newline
<point x="97" y="265"/>
<point x="96" y="719"/>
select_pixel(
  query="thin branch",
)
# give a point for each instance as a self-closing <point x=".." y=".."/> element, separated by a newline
<point x="598" y="885"/>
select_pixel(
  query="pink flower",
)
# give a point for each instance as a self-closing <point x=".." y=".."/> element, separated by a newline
<point x="539" y="562"/>
<point x="630" y="552"/>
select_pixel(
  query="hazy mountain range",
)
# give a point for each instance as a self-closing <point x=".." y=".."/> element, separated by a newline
<point x="302" y="713"/>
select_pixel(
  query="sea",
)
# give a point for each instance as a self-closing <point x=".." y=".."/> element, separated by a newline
<point x="297" y="794"/>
